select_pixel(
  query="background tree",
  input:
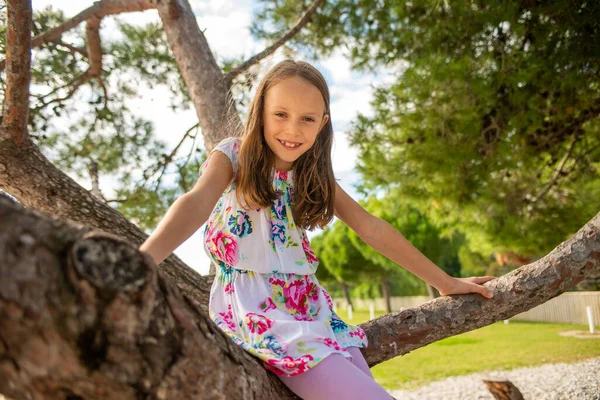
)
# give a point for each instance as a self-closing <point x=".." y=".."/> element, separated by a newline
<point x="492" y="125"/>
<point x="421" y="233"/>
<point x="341" y="259"/>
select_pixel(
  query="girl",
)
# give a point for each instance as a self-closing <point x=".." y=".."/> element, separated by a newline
<point x="260" y="193"/>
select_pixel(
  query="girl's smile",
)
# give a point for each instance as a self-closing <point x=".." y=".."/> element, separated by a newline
<point x="289" y="145"/>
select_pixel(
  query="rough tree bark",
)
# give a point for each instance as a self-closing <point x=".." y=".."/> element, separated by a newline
<point x="86" y="314"/>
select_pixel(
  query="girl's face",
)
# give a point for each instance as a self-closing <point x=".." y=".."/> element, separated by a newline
<point x="292" y="119"/>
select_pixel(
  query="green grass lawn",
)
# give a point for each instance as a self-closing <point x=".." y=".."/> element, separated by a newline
<point x="494" y="347"/>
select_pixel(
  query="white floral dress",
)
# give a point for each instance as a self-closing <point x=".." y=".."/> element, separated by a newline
<point x="265" y="295"/>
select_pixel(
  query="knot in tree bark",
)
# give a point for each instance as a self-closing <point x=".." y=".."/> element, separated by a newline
<point x="109" y="262"/>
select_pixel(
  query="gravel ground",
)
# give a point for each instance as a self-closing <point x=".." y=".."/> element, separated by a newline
<point x="563" y="381"/>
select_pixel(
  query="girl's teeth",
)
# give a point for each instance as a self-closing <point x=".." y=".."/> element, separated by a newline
<point x="290" y="144"/>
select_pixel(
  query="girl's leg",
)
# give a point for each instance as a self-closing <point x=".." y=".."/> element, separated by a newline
<point x="335" y="378"/>
<point x="359" y="360"/>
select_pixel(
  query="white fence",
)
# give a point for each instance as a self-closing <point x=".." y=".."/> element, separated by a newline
<point x="568" y="308"/>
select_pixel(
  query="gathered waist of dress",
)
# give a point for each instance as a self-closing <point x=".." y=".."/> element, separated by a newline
<point x="265" y="272"/>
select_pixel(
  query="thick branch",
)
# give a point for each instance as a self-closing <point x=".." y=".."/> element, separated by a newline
<point x="300" y="23"/>
<point x="203" y="77"/>
<point x="94" y="47"/>
<point x="99" y="10"/>
<point x="88" y="316"/>
<point x="568" y="264"/>
<point x="18" y="74"/>
<point x="95" y="306"/>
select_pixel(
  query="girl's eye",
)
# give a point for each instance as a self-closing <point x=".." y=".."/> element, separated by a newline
<point x="280" y="114"/>
<point x="309" y="119"/>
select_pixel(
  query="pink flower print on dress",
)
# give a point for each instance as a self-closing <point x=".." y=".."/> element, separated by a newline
<point x="267" y="305"/>
<point x="296" y="297"/>
<point x="331" y="343"/>
<point x="288" y="365"/>
<point x="228" y="318"/>
<point x="223" y="246"/>
<point x="328" y="298"/>
<point x="228" y="289"/>
<point x="310" y="255"/>
<point x="281" y="175"/>
<point x="358" y="332"/>
<point x="258" y="323"/>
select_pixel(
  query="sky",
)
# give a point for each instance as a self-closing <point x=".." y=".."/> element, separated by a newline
<point x="226" y="26"/>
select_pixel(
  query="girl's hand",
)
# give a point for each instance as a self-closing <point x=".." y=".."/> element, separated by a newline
<point x="468" y="285"/>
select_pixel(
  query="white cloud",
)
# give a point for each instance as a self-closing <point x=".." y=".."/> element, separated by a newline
<point x="346" y="106"/>
<point x="343" y="156"/>
<point x="339" y="67"/>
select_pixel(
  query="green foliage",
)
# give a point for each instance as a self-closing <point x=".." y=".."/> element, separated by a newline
<point x="492" y="127"/>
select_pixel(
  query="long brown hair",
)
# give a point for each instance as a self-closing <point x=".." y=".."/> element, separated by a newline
<point x="313" y="180"/>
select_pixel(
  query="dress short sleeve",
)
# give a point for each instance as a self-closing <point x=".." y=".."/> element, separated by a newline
<point x="230" y="147"/>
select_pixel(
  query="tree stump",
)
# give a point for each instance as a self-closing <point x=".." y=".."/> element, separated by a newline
<point x="503" y="390"/>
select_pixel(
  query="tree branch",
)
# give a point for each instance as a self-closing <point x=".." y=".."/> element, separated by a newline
<point x="86" y="315"/>
<point x="99" y="10"/>
<point x="522" y="289"/>
<point x="168" y="159"/>
<point x="201" y="74"/>
<point x="33" y="180"/>
<point x="94" y="50"/>
<point x="18" y="74"/>
<point x="71" y="48"/>
<point x="300" y="23"/>
<point x="556" y="174"/>
<point x="74" y="85"/>
<point x="94" y="47"/>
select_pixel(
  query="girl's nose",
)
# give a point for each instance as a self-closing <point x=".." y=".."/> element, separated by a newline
<point x="293" y="128"/>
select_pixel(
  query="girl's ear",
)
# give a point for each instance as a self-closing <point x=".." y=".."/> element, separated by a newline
<point x="325" y="119"/>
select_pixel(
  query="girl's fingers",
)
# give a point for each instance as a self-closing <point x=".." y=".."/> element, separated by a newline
<point x="485" y="292"/>
<point x="481" y="279"/>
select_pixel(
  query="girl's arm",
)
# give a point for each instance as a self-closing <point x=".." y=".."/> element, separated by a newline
<point x="384" y="238"/>
<point x="190" y="210"/>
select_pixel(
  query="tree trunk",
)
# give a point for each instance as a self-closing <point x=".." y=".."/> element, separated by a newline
<point x="347" y="294"/>
<point x="385" y="292"/>
<point x="205" y="82"/>
<point x="88" y="315"/>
